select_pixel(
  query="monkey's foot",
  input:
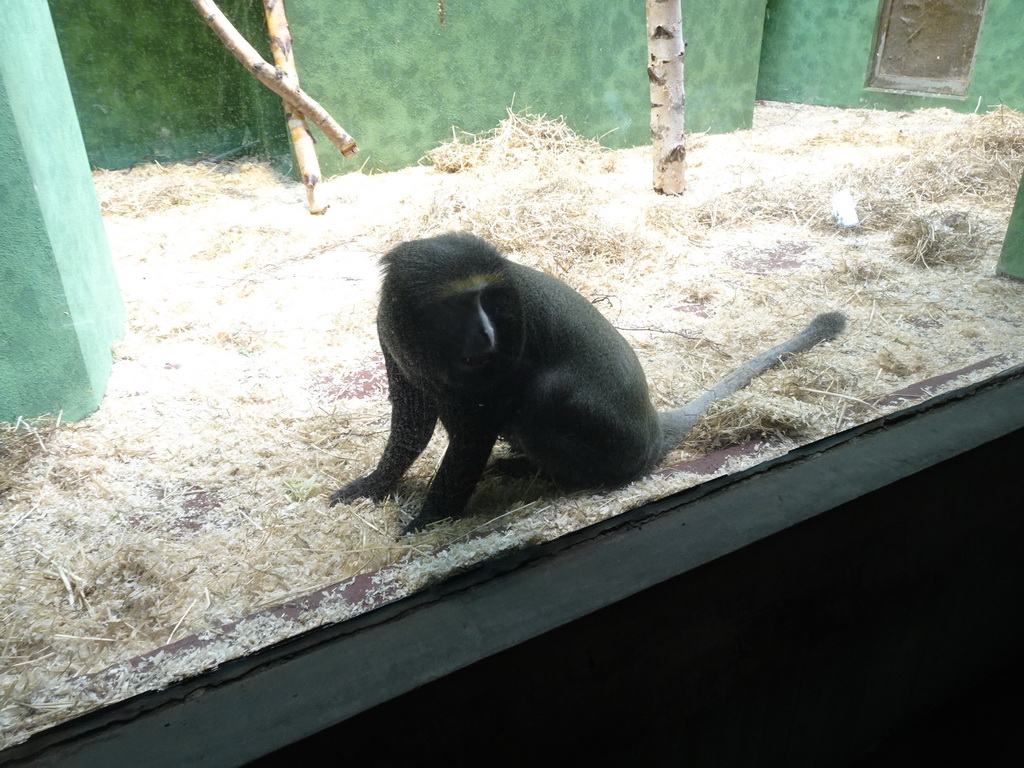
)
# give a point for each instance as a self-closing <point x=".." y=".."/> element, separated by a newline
<point x="340" y="496"/>
<point x="422" y="520"/>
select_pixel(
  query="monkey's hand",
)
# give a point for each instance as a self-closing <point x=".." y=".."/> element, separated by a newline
<point x="368" y="487"/>
<point x="427" y="515"/>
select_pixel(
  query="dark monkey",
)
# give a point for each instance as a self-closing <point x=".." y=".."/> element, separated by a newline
<point x="493" y="348"/>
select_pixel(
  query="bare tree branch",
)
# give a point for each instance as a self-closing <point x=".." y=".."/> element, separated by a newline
<point x="275" y="78"/>
<point x="665" y="48"/>
<point x="302" y="141"/>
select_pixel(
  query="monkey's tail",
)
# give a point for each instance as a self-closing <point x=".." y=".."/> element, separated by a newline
<point x="676" y="423"/>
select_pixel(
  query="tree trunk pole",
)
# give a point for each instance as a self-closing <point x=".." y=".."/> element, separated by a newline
<point x="302" y="140"/>
<point x="665" y="47"/>
<point x="276" y="79"/>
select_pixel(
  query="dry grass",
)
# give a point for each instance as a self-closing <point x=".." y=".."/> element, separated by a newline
<point x="520" y="140"/>
<point x="533" y="197"/>
<point x="950" y="239"/>
<point x="249" y="382"/>
<point x="981" y="158"/>
<point x="548" y="223"/>
<point x="19" y="444"/>
<point x="145" y="189"/>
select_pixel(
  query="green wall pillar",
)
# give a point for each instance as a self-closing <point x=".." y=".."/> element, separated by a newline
<point x="1011" y="262"/>
<point x="60" y="308"/>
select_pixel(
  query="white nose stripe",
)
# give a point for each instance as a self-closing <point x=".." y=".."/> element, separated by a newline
<point x="485" y="323"/>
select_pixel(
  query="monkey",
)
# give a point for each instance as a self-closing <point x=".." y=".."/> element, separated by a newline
<point x="492" y="348"/>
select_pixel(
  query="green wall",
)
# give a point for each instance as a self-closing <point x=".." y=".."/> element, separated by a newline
<point x="59" y="304"/>
<point x="819" y="52"/>
<point x="397" y="78"/>
<point x="1011" y="261"/>
<point x="152" y="82"/>
<point x="722" y="60"/>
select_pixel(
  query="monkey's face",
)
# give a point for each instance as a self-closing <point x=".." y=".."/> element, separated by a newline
<point x="467" y="339"/>
<point x="477" y="336"/>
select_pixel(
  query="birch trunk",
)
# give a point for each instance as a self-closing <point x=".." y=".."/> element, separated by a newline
<point x="302" y="140"/>
<point x="277" y="80"/>
<point x="665" y="71"/>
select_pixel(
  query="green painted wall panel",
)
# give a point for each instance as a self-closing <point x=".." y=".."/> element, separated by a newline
<point x="722" y="61"/>
<point x="59" y="304"/>
<point x="398" y="79"/>
<point x="998" y="75"/>
<point x="820" y="51"/>
<point x="152" y="82"/>
<point x="1011" y="262"/>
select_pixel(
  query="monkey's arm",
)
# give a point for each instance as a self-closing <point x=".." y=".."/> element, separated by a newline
<point x="470" y="443"/>
<point x="675" y="424"/>
<point x="413" y="417"/>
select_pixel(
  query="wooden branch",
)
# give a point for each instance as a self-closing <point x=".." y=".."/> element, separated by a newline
<point x="665" y="49"/>
<point x="276" y="79"/>
<point x="302" y="140"/>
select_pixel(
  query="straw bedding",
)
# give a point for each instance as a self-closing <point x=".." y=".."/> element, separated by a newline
<point x="249" y="384"/>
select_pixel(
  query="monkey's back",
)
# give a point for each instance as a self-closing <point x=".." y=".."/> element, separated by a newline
<point x="587" y="417"/>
